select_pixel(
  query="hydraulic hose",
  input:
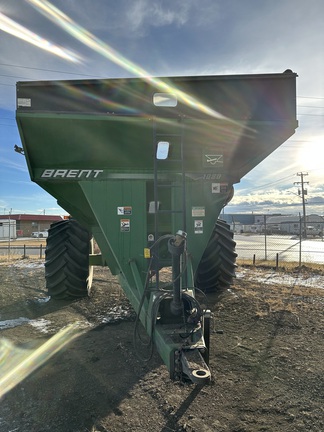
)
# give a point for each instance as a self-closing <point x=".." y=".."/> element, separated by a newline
<point x="176" y="247"/>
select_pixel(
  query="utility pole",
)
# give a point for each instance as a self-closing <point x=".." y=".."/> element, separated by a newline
<point x="9" y="249"/>
<point x="302" y="192"/>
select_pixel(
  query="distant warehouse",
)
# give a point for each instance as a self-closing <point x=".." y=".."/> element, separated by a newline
<point x="313" y="224"/>
<point x="7" y="229"/>
<point x="26" y="224"/>
<point x="275" y="223"/>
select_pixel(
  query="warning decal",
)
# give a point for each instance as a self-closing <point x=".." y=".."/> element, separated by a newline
<point x="124" y="210"/>
<point x="24" y="102"/>
<point x="219" y="187"/>
<point x="215" y="187"/>
<point x="147" y="253"/>
<point x="198" y="211"/>
<point x="199" y="226"/>
<point x="124" y="225"/>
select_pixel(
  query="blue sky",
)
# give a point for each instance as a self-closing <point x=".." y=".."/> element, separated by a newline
<point x="167" y="38"/>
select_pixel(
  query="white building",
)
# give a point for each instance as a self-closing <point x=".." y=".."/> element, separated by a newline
<point x="294" y="224"/>
<point x="8" y="229"/>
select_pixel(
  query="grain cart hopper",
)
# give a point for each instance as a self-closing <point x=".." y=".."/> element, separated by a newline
<point x="146" y="166"/>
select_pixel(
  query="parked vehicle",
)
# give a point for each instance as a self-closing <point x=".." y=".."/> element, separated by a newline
<point x="40" y="234"/>
<point x="312" y="231"/>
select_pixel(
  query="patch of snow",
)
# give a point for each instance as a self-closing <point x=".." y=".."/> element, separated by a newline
<point x="268" y="277"/>
<point x="116" y="313"/>
<point x="232" y="292"/>
<point x="42" y="300"/>
<point x="82" y="324"/>
<point x="13" y="323"/>
<point x="28" y="264"/>
<point x="40" y="324"/>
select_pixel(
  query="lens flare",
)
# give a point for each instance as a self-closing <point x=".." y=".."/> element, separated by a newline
<point x="9" y="26"/>
<point x="310" y="155"/>
<point x="16" y="363"/>
<point x="88" y="39"/>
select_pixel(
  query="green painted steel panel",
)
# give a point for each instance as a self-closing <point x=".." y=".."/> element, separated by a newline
<point x="92" y="143"/>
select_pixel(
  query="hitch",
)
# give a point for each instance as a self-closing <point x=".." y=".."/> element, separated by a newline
<point x="194" y="366"/>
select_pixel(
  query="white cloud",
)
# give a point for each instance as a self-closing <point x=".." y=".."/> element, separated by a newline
<point x="144" y="13"/>
<point x="9" y="165"/>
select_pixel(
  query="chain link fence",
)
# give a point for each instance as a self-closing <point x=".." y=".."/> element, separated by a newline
<point x="22" y="251"/>
<point x="280" y="242"/>
<point x="298" y="242"/>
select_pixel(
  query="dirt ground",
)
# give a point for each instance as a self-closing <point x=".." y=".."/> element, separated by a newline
<point x="267" y="363"/>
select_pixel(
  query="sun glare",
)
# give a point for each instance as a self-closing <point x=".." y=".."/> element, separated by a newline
<point x="311" y="154"/>
<point x="9" y="26"/>
<point x="83" y="35"/>
<point x="16" y="364"/>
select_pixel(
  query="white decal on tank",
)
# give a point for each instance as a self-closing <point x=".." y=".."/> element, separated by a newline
<point x="70" y="173"/>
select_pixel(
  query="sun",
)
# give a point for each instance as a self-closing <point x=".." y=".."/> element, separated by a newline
<point x="311" y="154"/>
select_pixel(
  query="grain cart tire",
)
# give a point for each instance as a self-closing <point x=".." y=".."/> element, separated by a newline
<point x="216" y="269"/>
<point x="67" y="271"/>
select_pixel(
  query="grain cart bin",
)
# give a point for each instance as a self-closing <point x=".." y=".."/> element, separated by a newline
<point x="146" y="166"/>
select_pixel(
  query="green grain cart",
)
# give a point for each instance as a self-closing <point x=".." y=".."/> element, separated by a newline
<point x="144" y="166"/>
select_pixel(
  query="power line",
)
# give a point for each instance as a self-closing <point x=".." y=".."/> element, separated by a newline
<point x="80" y="74"/>
<point x="308" y="106"/>
<point x="42" y="69"/>
<point x="272" y="183"/>
<point x="92" y="76"/>
<point x="311" y="115"/>
<point x="12" y="76"/>
<point x="310" y="97"/>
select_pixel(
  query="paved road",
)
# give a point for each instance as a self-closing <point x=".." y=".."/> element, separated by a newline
<point x="20" y="250"/>
<point x="288" y="248"/>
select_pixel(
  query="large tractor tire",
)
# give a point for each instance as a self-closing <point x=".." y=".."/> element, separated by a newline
<point x="216" y="269"/>
<point x="67" y="271"/>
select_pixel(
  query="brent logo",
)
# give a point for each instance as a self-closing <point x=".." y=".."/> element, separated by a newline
<point x="70" y="173"/>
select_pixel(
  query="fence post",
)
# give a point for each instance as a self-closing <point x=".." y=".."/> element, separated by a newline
<point x="41" y="251"/>
<point x="265" y="237"/>
<point x="277" y="261"/>
<point x="24" y="255"/>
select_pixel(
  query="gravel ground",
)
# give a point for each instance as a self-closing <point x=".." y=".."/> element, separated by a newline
<point x="267" y="366"/>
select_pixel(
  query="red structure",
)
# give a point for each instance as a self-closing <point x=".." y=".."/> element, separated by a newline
<point x="28" y="223"/>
